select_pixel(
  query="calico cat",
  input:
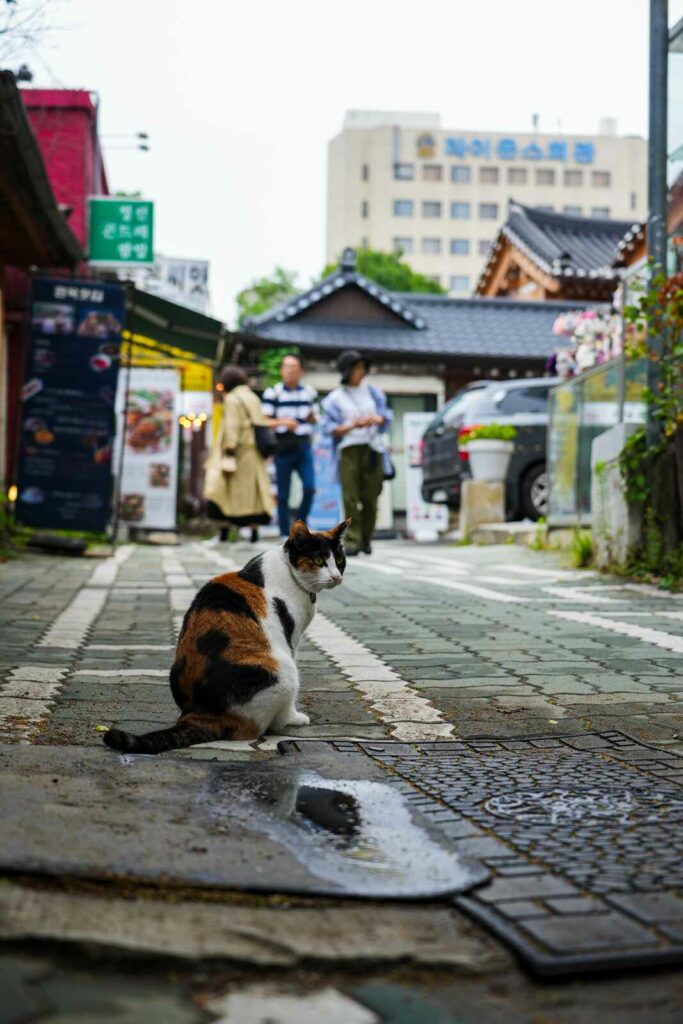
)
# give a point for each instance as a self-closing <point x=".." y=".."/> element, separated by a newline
<point x="234" y="674"/>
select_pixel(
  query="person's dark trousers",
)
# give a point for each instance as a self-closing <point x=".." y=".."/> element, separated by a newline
<point x="299" y="460"/>
<point x="361" y="476"/>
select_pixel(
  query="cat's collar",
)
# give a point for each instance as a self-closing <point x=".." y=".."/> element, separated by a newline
<point x="299" y="585"/>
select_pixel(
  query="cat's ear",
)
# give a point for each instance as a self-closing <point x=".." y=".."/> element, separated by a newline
<point x="299" y="530"/>
<point x="339" y="530"/>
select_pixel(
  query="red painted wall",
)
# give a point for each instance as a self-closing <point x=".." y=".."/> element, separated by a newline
<point x="65" y="124"/>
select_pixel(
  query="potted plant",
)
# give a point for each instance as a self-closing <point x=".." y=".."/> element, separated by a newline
<point x="490" y="448"/>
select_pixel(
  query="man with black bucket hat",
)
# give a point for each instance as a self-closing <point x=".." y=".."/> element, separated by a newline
<point x="356" y="415"/>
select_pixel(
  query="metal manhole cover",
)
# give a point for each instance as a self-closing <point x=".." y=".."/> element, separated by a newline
<point x="583" y="836"/>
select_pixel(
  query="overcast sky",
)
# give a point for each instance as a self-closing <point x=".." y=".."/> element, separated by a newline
<point x="240" y="99"/>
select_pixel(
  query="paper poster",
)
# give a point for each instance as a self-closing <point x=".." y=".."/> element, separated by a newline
<point x="326" y="510"/>
<point x="423" y="521"/>
<point x="67" y="426"/>
<point x="149" y="477"/>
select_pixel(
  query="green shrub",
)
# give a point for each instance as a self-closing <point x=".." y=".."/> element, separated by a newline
<point x="490" y="432"/>
<point x="582" y="548"/>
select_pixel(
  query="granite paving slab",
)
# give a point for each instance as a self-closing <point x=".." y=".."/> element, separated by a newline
<point x="329" y="824"/>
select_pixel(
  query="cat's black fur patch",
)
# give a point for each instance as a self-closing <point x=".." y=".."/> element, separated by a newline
<point x="175" y="679"/>
<point x="253" y="572"/>
<point x="213" y="643"/>
<point x="226" y="685"/>
<point x="286" y="620"/>
<point x="218" y="598"/>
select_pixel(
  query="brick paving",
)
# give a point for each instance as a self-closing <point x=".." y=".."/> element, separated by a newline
<point x="469" y="631"/>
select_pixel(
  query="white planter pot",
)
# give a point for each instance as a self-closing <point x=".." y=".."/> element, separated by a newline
<point x="489" y="460"/>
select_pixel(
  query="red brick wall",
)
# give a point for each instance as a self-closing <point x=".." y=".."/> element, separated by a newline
<point x="64" y="123"/>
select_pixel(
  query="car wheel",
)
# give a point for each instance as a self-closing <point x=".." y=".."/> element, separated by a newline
<point x="534" y="493"/>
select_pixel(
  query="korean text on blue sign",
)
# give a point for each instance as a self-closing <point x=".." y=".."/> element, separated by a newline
<point x="67" y="423"/>
<point x="511" y="149"/>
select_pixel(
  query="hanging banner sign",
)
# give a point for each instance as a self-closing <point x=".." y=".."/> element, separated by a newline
<point x="423" y="522"/>
<point x="120" y="232"/>
<point x="149" y="476"/>
<point x="67" y="426"/>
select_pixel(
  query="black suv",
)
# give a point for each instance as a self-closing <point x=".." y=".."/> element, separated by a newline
<point x="522" y="403"/>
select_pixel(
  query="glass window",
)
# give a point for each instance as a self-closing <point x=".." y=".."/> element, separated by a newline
<point x="460" y="173"/>
<point x="404" y="172"/>
<point x="364" y="208"/>
<point x="403" y="207"/>
<point x="544" y="177"/>
<point x="460" y="246"/>
<point x="517" y="175"/>
<point x="485" y="246"/>
<point x="603" y="212"/>
<point x="573" y="178"/>
<point x="460" y="211"/>
<point x="488" y="175"/>
<point x="488" y="211"/>
<point x="574" y="211"/>
<point x="432" y="172"/>
<point x="601" y="179"/>
<point x="365" y="172"/>
<point x="403" y="244"/>
<point x="431" y="209"/>
<point x="431" y="246"/>
<point x="524" y="400"/>
<point x="460" y="283"/>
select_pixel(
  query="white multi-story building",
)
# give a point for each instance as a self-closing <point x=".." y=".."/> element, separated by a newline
<point x="400" y="181"/>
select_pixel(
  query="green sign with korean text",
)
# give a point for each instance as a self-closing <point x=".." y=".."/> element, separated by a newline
<point x="121" y="232"/>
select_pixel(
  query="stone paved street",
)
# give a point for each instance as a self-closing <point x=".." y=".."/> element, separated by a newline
<point x="420" y="643"/>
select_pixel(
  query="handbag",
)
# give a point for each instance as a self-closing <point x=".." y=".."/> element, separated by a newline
<point x="388" y="467"/>
<point x="266" y="443"/>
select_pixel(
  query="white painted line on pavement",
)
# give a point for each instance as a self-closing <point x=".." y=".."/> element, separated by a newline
<point x="130" y="647"/>
<point x="227" y="564"/>
<point x="70" y="629"/>
<point x="26" y="698"/>
<point x="113" y="673"/>
<point x="414" y="718"/>
<point x="527" y="570"/>
<point x="676" y="616"/>
<point x="650" y="591"/>
<point x="471" y="588"/>
<point x="667" y="641"/>
<point x="583" y="595"/>
<point x="106" y="572"/>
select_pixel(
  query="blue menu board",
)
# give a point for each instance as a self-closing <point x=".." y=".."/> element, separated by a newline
<point x="67" y="418"/>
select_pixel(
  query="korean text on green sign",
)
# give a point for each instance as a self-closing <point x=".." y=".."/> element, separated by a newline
<point x="121" y="232"/>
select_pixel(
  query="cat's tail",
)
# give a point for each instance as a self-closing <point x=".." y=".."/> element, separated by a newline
<point x="192" y="728"/>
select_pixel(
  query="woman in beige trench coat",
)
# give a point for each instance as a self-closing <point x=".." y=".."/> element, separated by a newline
<point x="237" y="487"/>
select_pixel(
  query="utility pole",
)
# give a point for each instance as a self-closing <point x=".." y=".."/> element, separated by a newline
<point x="657" y="185"/>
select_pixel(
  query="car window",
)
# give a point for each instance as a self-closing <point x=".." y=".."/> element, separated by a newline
<point x="452" y="407"/>
<point x="461" y="405"/>
<point x="532" y="400"/>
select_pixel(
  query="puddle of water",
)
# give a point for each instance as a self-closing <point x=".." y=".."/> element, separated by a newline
<point x="360" y="836"/>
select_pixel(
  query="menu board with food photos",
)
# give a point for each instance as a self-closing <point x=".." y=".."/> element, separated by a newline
<point x="67" y="419"/>
<point x="149" y="475"/>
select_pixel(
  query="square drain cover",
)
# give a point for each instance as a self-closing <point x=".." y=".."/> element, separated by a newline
<point x="583" y="836"/>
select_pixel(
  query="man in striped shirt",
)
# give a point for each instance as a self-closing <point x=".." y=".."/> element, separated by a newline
<point x="291" y="410"/>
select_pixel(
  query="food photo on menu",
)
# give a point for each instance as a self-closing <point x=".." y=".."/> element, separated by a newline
<point x="149" y="420"/>
<point x="53" y="317"/>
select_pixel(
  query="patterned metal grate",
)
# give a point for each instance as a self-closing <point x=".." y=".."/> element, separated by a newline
<point x="583" y="836"/>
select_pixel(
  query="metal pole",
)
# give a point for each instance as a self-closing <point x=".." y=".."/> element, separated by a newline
<point x="130" y="325"/>
<point x="657" y="167"/>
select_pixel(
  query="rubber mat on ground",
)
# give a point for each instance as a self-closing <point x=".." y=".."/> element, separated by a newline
<point x="583" y="836"/>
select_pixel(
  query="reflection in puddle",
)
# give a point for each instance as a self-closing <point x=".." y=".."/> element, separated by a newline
<point x="359" y="835"/>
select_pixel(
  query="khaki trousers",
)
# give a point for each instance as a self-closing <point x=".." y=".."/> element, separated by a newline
<point x="361" y="475"/>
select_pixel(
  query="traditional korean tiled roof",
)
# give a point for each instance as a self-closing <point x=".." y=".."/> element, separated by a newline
<point x="448" y="328"/>
<point x="561" y="245"/>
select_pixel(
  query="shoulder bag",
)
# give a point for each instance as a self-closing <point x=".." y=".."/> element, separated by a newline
<point x="264" y="437"/>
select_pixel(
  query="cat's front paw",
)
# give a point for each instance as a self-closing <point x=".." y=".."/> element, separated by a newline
<point x="299" y="718"/>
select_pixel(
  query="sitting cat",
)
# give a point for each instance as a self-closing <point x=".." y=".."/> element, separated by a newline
<point x="234" y="674"/>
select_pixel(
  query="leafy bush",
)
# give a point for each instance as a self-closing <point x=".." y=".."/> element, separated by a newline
<point x="582" y="548"/>
<point x="490" y="432"/>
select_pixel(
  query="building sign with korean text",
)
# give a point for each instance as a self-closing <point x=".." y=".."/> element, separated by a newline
<point x="67" y="419"/>
<point x="121" y="232"/>
<point x="512" y="149"/>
